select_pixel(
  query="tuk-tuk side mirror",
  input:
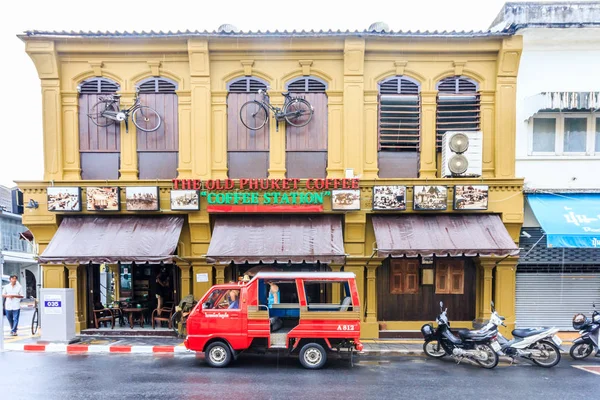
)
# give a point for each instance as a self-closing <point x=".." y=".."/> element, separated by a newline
<point x="441" y="305"/>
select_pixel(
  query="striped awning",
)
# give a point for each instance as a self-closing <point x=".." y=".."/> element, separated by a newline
<point x="442" y="235"/>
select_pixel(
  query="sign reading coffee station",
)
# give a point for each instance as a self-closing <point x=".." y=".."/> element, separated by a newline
<point x="268" y="195"/>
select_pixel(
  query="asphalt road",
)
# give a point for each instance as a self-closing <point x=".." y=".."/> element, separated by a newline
<point x="118" y="376"/>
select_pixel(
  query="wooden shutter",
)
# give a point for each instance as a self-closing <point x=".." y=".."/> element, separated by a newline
<point x="247" y="150"/>
<point x="158" y="150"/>
<point x="411" y="280"/>
<point x="99" y="147"/>
<point x="458" y="107"/>
<point x="306" y="146"/>
<point x="404" y="276"/>
<point x="396" y="277"/>
<point x="457" y="277"/>
<point x="399" y="123"/>
<point x="441" y="278"/>
<point x="449" y="277"/>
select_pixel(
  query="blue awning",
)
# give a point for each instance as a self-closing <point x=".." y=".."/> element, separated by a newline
<point x="569" y="220"/>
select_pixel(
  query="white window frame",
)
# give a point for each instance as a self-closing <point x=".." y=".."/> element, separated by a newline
<point x="560" y="134"/>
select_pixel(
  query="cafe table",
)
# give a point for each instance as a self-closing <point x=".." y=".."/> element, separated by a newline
<point x="134" y="310"/>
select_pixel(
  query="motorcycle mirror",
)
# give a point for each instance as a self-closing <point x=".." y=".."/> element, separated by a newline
<point x="441" y="304"/>
<point x="492" y="305"/>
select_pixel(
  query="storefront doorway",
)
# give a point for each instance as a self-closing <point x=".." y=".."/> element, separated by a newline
<point x="131" y="286"/>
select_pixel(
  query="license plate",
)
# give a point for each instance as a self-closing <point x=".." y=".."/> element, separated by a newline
<point x="557" y="341"/>
<point x="496" y="346"/>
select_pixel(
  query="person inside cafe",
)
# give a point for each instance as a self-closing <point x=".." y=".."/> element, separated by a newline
<point x="162" y="288"/>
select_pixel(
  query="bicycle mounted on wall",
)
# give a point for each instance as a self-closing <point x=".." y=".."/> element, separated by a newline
<point x="106" y="112"/>
<point x="296" y="111"/>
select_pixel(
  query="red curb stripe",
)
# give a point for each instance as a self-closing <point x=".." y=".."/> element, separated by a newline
<point x="77" y="348"/>
<point x="34" y="347"/>
<point x="163" y="349"/>
<point x="120" y="349"/>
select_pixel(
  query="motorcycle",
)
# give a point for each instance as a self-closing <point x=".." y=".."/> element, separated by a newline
<point x="589" y="329"/>
<point x="478" y="346"/>
<point x="540" y="345"/>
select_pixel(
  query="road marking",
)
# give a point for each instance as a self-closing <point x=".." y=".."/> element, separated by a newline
<point x="594" y="369"/>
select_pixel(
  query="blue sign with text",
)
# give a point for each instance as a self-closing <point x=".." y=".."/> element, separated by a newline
<point x="569" y="219"/>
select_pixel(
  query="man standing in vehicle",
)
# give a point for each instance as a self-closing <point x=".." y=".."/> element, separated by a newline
<point x="13" y="293"/>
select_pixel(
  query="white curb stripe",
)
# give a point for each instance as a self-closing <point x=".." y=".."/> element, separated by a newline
<point x="98" y="348"/>
<point x="181" y="349"/>
<point x="141" y="349"/>
<point x="56" y="348"/>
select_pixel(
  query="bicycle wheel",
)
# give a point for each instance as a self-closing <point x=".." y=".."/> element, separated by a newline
<point x="253" y="115"/>
<point x="298" y="112"/>
<point x="146" y="119"/>
<point x="97" y="116"/>
<point x="175" y="320"/>
<point x="35" y="322"/>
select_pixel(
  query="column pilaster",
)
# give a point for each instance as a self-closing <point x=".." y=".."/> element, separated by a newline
<point x="129" y="159"/>
<point x="335" y="290"/>
<point x="186" y="280"/>
<point x="201" y="108"/>
<point x="486" y="274"/>
<point x="200" y="288"/>
<point x="70" y="122"/>
<point x="277" y="153"/>
<point x="428" y="156"/>
<point x="354" y="85"/>
<point x="220" y="274"/>
<point x="75" y="284"/>
<point x="505" y="293"/>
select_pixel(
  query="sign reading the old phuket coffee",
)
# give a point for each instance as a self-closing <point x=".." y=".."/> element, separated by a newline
<point x="265" y="195"/>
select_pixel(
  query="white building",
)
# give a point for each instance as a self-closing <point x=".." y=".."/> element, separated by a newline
<point x="17" y="251"/>
<point x="558" y="154"/>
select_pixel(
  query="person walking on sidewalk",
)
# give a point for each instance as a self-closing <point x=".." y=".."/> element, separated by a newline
<point x="13" y="293"/>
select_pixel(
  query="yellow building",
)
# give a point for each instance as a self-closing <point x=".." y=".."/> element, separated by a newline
<point x="412" y="232"/>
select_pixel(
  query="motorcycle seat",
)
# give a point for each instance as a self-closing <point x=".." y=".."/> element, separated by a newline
<point x="467" y="334"/>
<point x="522" y="333"/>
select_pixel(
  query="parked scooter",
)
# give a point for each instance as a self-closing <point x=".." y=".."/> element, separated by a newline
<point x="539" y="345"/>
<point x="478" y="346"/>
<point x="589" y="329"/>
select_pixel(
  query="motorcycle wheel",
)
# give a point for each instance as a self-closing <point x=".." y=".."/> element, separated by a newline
<point x="553" y="354"/>
<point x="492" y="358"/>
<point x="433" y="348"/>
<point x="581" y="351"/>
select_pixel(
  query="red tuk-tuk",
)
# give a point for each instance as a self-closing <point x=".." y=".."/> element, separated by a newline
<point x="308" y="313"/>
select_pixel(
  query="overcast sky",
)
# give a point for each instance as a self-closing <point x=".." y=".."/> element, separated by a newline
<point x="21" y="137"/>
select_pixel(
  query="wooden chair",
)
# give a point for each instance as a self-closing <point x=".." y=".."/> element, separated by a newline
<point x="104" y="315"/>
<point x="163" y="315"/>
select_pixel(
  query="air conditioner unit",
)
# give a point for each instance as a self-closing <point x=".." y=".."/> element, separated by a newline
<point x="461" y="153"/>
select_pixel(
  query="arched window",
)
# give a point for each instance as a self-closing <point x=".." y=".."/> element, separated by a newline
<point x="247" y="150"/>
<point x="99" y="146"/>
<point x="399" y="127"/>
<point x="458" y="106"/>
<point x="158" y="151"/>
<point x="306" y="146"/>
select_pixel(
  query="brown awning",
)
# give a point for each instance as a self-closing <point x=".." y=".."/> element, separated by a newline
<point x="277" y="238"/>
<point x="442" y="235"/>
<point x="81" y="240"/>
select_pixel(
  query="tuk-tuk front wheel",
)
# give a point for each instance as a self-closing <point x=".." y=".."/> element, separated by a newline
<point x="218" y="354"/>
<point x="313" y="356"/>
